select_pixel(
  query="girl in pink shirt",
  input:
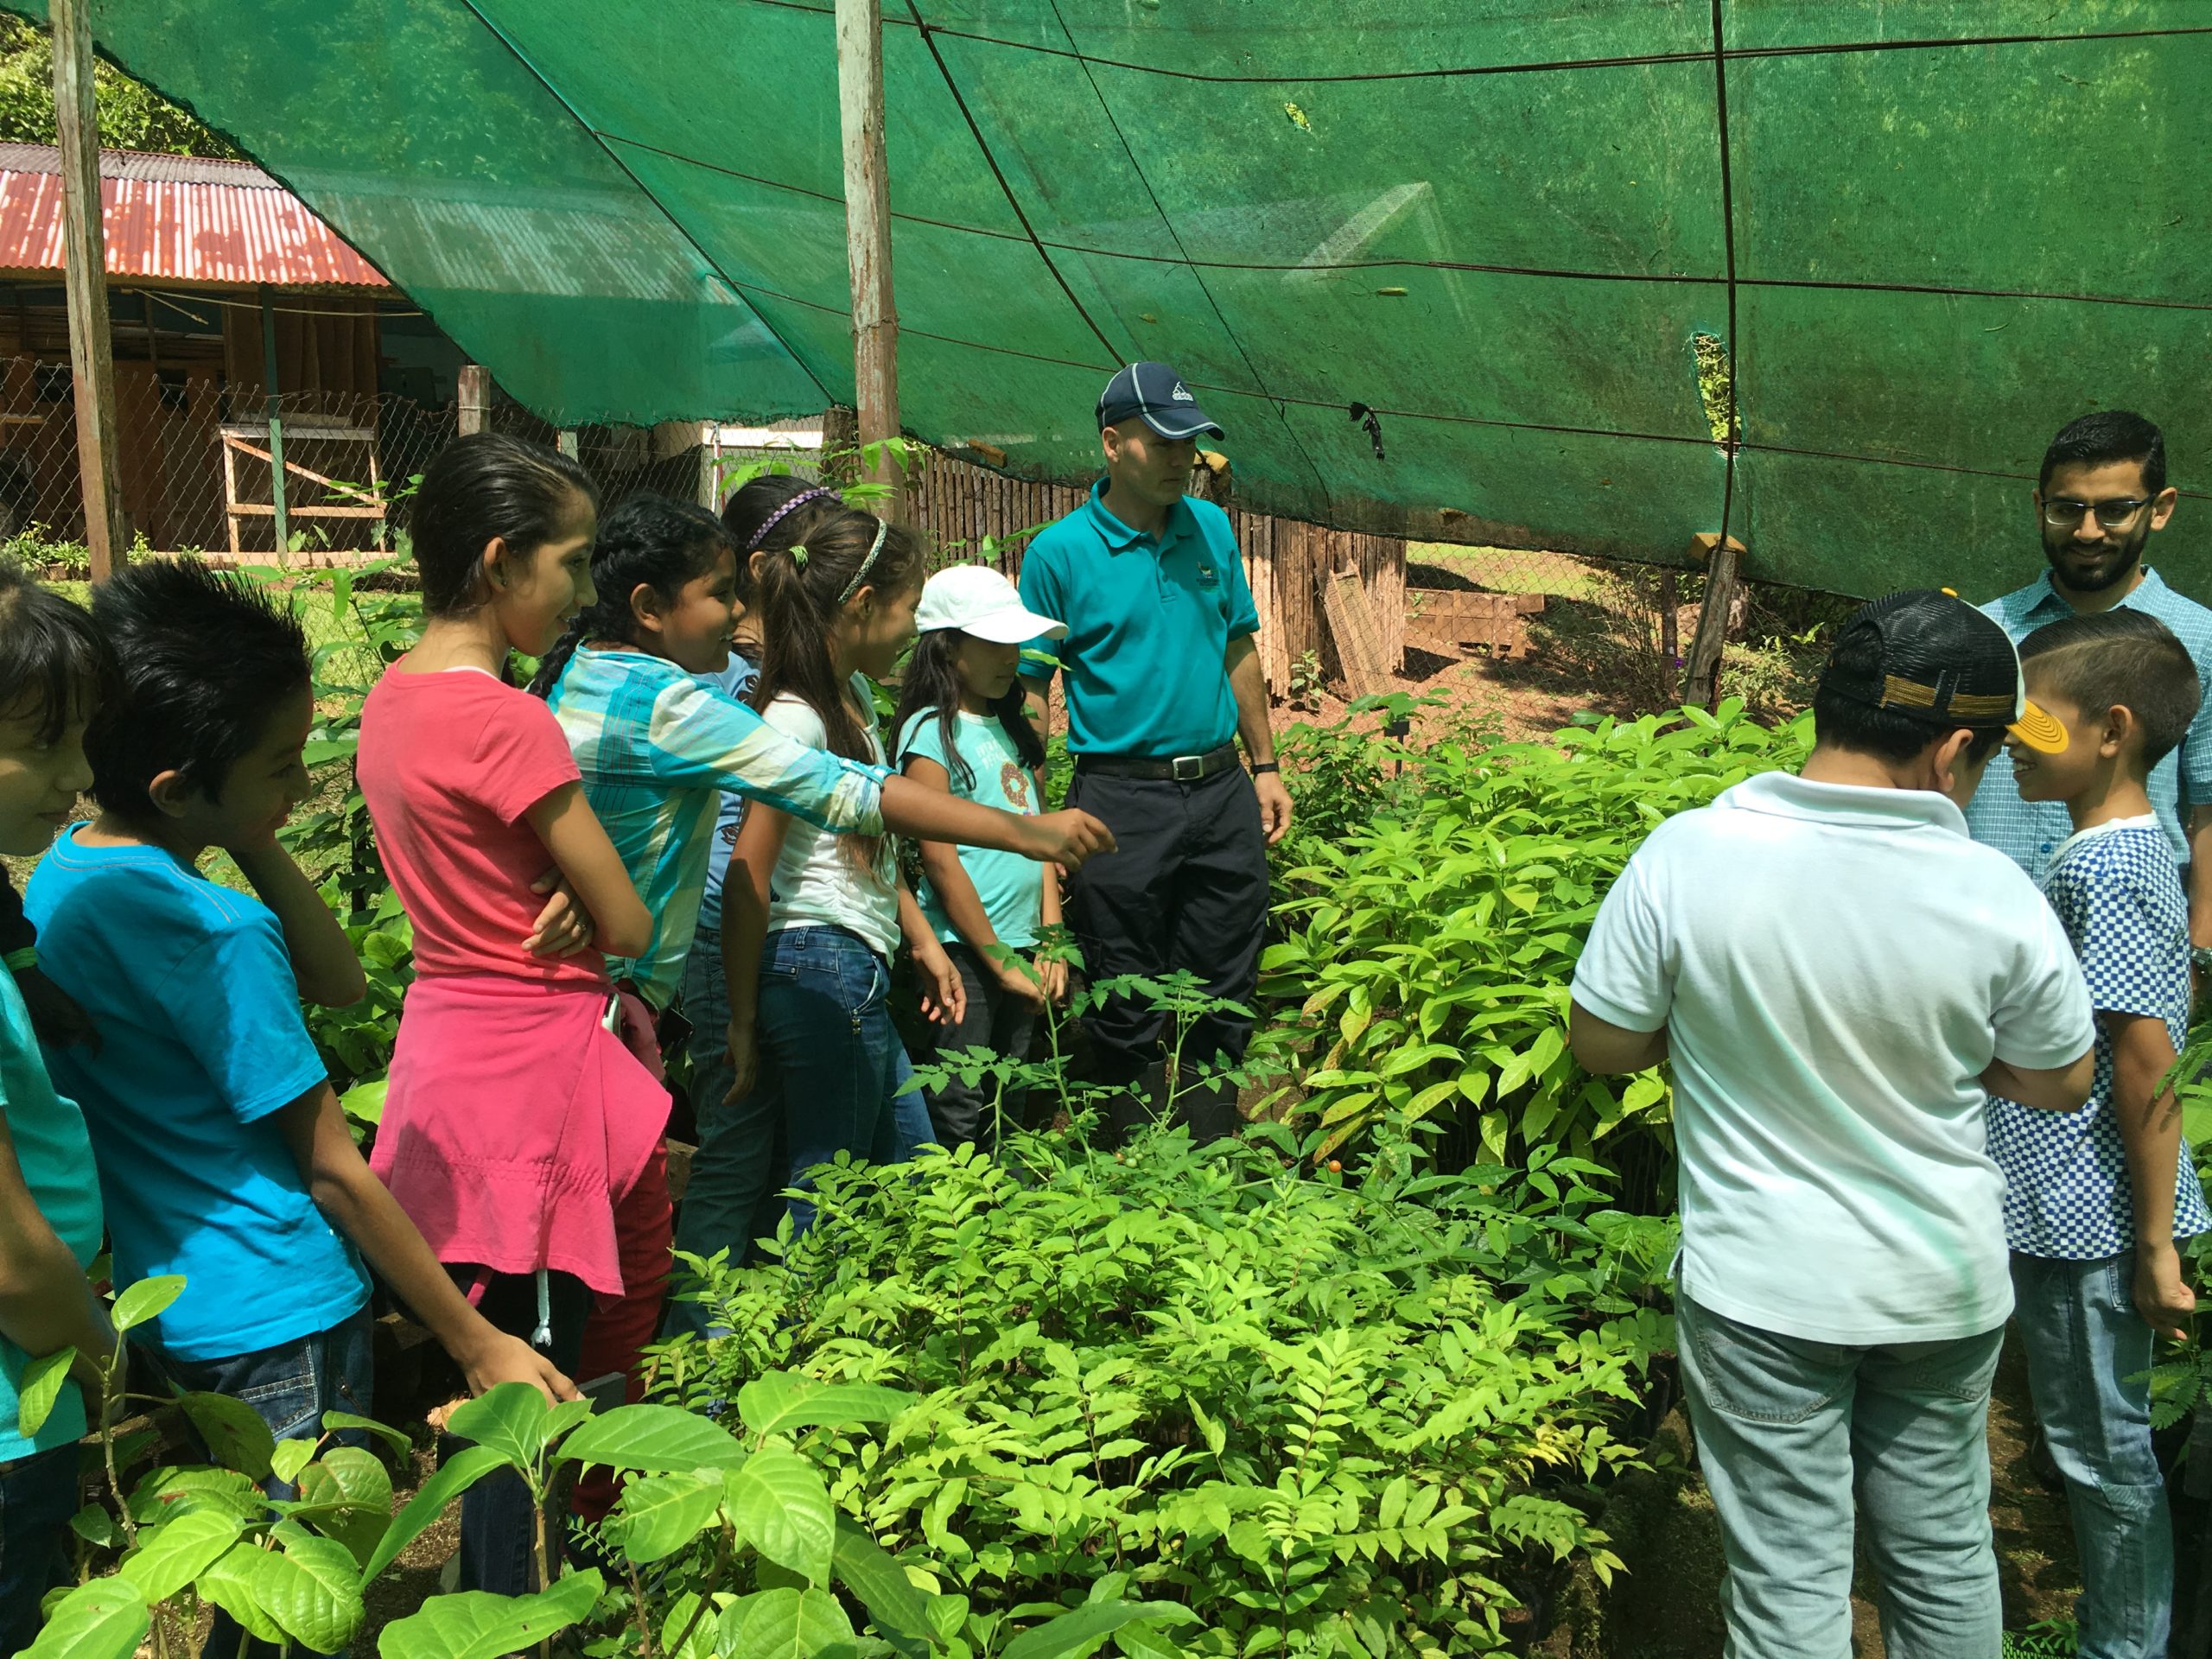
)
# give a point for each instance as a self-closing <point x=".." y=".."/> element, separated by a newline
<point x="517" y="1117"/>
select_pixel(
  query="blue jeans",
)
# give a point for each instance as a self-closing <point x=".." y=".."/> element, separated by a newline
<point x="38" y="1494"/>
<point x="1788" y="1431"/>
<point x="2085" y="1342"/>
<point x="833" y="1069"/>
<point x="289" y="1387"/>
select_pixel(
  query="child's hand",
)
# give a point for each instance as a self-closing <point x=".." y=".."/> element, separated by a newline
<point x="744" y="1060"/>
<point x="510" y="1359"/>
<point x="1014" y="975"/>
<point x="563" y="927"/>
<point x="945" y="997"/>
<point x="1066" y="838"/>
<point x="2162" y="1295"/>
<point x="1053" y="979"/>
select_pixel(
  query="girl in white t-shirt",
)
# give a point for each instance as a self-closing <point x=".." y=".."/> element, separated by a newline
<point x="821" y="1055"/>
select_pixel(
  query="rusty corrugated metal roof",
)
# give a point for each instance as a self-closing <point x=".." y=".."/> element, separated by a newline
<point x="177" y="218"/>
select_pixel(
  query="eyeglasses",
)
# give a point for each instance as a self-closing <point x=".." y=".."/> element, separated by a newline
<point x="2061" y="514"/>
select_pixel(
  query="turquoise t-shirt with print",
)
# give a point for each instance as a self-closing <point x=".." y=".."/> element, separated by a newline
<point x="55" y="1154"/>
<point x="1012" y="887"/>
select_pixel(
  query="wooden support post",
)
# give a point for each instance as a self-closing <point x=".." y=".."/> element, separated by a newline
<point x="1701" y="677"/>
<point x="475" y="398"/>
<point x="275" y="412"/>
<point x="83" y="258"/>
<point x="868" y="233"/>
<point x="1670" y="602"/>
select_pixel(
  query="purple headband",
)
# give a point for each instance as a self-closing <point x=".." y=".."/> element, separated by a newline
<point x="795" y="502"/>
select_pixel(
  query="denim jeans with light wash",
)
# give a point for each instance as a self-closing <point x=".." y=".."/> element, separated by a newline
<point x="289" y="1387"/>
<point x="2088" y="1350"/>
<point x="38" y="1494"/>
<point x="1791" y="1431"/>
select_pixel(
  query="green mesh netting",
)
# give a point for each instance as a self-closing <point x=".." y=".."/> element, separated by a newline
<point x="1934" y="231"/>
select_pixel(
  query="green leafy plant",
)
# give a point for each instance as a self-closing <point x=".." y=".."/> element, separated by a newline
<point x="1325" y="1414"/>
<point x="772" y="1551"/>
<point x="1429" y="948"/>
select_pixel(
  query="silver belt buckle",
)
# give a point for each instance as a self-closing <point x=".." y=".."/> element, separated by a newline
<point x="1188" y="768"/>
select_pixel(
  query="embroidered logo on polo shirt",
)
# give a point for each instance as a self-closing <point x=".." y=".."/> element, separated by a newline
<point x="1206" y="577"/>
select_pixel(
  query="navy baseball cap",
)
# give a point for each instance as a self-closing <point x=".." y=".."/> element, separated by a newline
<point x="1156" y="392"/>
<point x="1940" y="662"/>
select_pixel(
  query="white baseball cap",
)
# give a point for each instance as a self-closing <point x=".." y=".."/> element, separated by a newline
<point x="977" y="600"/>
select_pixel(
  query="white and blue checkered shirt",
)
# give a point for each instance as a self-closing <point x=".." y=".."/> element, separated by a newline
<point x="2117" y="894"/>
<point x="2028" y="832"/>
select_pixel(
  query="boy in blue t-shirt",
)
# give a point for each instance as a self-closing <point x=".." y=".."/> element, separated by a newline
<point x="223" y="1154"/>
<point x="962" y="728"/>
<point x="2095" y="1199"/>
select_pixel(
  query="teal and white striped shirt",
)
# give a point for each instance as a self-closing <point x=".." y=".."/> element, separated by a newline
<point x="657" y="746"/>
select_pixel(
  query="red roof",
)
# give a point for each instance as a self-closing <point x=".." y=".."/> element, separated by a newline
<point x="177" y="218"/>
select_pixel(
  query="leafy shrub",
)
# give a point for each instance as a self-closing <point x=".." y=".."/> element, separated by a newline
<point x="1327" y="1416"/>
<point x="1431" y="947"/>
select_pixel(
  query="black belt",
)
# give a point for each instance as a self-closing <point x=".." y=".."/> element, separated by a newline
<point x="1176" y="768"/>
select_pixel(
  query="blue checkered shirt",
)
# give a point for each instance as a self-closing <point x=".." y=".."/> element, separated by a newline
<point x="2117" y="894"/>
<point x="2027" y="832"/>
<point x="657" y="748"/>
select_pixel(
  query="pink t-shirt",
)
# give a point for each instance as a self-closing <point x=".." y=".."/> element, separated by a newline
<point x="449" y="763"/>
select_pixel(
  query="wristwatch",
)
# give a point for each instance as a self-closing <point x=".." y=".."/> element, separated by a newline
<point x="2200" y="958"/>
<point x="1259" y="766"/>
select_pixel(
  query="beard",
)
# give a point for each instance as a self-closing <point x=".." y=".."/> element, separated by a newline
<point x="2092" y="570"/>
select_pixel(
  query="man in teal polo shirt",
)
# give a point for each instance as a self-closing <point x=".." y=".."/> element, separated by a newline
<point x="1161" y="677"/>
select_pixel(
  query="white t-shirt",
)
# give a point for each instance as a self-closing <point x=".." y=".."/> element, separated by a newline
<point x="819" y="880"/>
<point x="1836" y="966"/>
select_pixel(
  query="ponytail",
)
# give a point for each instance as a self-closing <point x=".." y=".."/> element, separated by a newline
<point x="488" y="487"/>
<point x="817" y="557"/>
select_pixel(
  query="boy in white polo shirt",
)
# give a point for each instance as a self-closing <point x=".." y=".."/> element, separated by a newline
<point x="1841" y="978"/>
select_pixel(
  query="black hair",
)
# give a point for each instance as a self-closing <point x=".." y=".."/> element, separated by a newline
<point x="647" y="540"/>
<point x="2108" y="435"/>
<point x="748" y="508"/>
<point x="815" y="555"/>
<point x="53" y="660"/>
<point x="931" y="685"/>
<point x="2125" y="658"/>
<point x="483" y="488"/>
<point x="203" y="657"/>
<point x="1845" y="723"/>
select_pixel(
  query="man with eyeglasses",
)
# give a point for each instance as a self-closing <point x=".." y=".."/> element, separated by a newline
<point x="2103" y="492"/>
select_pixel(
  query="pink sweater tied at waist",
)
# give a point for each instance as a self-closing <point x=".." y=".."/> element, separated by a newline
<point x="514" y="1121"/>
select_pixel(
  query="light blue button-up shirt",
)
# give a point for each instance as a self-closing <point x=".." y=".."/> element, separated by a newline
<point x="2029" y="832"/>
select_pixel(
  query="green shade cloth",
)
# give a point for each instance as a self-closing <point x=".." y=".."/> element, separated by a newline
<point x="1942" y="231"/>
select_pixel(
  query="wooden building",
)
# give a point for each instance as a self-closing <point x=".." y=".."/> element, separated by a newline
<point x="197" y="252"/>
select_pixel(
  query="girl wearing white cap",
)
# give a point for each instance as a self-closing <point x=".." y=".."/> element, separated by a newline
<point x="962" y="728"/>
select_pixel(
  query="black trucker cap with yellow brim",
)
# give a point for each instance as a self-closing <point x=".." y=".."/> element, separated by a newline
<point x="1944" y="663"/>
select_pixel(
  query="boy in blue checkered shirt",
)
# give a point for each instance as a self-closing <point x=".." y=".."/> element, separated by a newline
<point x="2095" y="1199"/>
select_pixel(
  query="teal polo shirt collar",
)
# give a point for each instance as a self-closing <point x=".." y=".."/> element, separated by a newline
<point x="1118" y="538"/>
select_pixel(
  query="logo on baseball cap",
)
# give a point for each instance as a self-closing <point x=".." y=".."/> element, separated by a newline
<point x="1944" y="664"/>
<point x="1156" y="394"/>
